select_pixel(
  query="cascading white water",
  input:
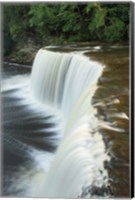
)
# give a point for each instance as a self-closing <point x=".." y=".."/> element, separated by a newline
<point x="67" y="82"/>
<point x="61" y="79"/>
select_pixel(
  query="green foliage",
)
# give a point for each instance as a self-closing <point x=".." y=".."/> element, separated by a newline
<point x="43" y="18"/>
<point x="115" y="31"/>
<point x="118" y="22"/>
<point x="15" y="19"/>
<point x="69" y="18"/>
<point x="66" y="22"/>
<point x="97" y="25"/>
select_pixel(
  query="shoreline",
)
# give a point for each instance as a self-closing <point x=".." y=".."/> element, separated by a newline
<point x="24" y="55"/>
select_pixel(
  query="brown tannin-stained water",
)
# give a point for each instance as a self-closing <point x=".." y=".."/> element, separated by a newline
<point x="111" y="101"/>
<point x="113" y="92"/>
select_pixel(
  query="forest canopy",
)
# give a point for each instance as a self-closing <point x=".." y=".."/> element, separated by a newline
<point x="58" y="23"/>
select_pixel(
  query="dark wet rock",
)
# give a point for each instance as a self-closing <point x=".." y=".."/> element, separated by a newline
<point x="24" y="52"/>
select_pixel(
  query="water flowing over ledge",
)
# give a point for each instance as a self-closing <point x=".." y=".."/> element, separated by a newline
<point x="68" y="82"/>
<point x="62" y="84"/>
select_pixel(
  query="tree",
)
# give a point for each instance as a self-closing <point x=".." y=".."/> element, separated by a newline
<point x="71" y="22"/>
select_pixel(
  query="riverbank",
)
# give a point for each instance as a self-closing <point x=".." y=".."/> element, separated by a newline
<point x="25" y="51"/>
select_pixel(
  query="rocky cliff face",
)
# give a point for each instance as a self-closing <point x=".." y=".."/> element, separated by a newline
<point x="24" y="52"/>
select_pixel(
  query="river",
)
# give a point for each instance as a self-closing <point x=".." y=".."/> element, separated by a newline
<point x="112" y="101"/>
<point x="114" y="87"/>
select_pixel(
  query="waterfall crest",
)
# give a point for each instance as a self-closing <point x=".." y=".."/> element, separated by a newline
<point x="62" y="79"/>
<point x="67" y="82"/>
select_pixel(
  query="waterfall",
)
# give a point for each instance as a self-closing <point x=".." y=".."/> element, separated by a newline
<point x="67" y="83"/>
<point x="62" y="80"/>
